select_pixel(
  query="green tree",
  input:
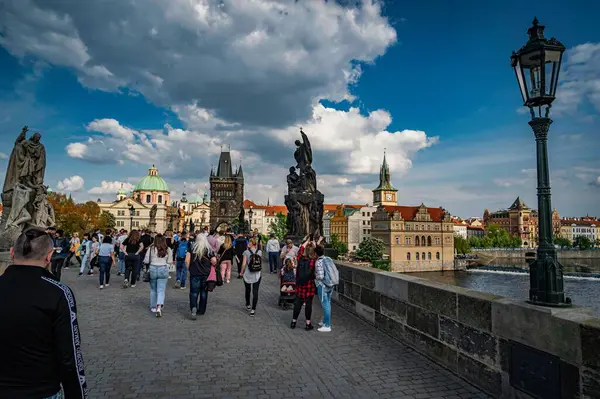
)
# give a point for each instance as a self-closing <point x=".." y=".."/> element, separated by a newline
<point x="516" y="242"/>
<point x="370" y="249"/>
<point x="582" y="242"/>
<point x="106" y="221"/>
<point x="279" y="226"/>
<point x="461" y="245"/>
<point x="339" y="246"/>
<point x="475" y="242"/>
<point x="597" y="242"/>
<point x="562" y="242"/>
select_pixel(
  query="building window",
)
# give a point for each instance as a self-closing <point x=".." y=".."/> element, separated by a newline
<point x="408" y="256"/>
<point x="407" y="240"/>
<point x="437" y="255"/>
<point x="417" y="241"/>
<point x="423" y="242"/>
<point x="160" y="199"/>
<point x="364" y="222"/>
<point x="437" y="241"/>
<point x="423" y="256"/>
<point x="429" y="241"/>
<point x="428" y="255"/>
<point x="148" y="198"/>
<point x="397" y="240"/>
<point x="354" y="247"/>
<point x="416" y="256"/>
<point x="137" y="213"/>
<point x="363" y="214"/>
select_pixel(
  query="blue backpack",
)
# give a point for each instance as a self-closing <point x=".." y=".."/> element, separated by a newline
<point x="182" y="248"/>
<point x="332" y="275"/>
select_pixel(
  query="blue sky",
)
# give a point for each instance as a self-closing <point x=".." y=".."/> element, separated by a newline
<point x="119" y="87"/>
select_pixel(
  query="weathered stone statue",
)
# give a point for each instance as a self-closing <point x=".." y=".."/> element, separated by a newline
<point x="152" y="222"/>
<point x="304" y="201"/>
<point x="24" y="195"/>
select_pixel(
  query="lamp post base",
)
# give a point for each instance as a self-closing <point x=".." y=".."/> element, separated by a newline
<point x="546" y="279"/>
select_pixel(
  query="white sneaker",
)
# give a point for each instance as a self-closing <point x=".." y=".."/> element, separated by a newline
<point x="101" y="286"/>
<point x="132" y="285"/>
<point x="182" y="288"/>
<point x="324" y="329"/>
<point x="107" y="285"/>
<point x="321" y="323"/>
<point x="227" y="281"/>
<point x="153" y="310"/>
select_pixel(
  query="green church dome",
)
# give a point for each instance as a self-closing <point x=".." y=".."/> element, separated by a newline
<point x="122" y="191"/>
<point x="152" y="182"/>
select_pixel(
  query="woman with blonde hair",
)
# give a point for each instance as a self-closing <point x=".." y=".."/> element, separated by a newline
<point x="226" y="258"/>
<point x="159" y="256"/>
<point x="199" y="263"/>
<point x="251" y="267"/>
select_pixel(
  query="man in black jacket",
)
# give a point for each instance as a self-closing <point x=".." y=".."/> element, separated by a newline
<point x="40" y="335"/>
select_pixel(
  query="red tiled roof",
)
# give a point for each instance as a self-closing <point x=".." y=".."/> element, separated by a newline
<point x="248" y="204"/>
<point x="409" y="212"/>
<point x="568" y="222"/>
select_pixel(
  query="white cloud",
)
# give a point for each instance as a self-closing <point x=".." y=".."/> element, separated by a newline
<point x="112" y="128"/>
<point x="111" y="187"/>
<point x="70" y="184"/>
<point x="597" y="181"/>
<point x="3" y="155"/>
<point x="263" y="62"/>
<point x="77" y="150"/>
<point x="580" y="79"/>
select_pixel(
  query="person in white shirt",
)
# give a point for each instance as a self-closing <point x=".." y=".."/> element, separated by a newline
<point x="106" y="258"/>
<point x="159" y="256"/>
<point x="273" y="249"/>
<point x="85" y="250"/>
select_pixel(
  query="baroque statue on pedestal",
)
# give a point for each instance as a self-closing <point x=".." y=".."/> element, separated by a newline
<point x="24" y="194"/>
<point x="304" y="202"/>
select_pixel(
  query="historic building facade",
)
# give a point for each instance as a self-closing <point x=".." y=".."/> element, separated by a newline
<point x="417" y="238"/>
<point x="226" y="193"/>
<point x="572" y="228"/>
<point x="520" y="221"/>
<point x="150" y="191"/>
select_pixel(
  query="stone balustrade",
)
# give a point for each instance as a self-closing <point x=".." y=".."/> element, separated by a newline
<point x="508" y="348"/>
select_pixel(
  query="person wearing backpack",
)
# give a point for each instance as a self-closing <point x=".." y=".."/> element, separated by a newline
<point x="326" y="277"/>
<point x="181" y="249"/>
<point x="251" y="267"/>
<point x="305" y="282"/>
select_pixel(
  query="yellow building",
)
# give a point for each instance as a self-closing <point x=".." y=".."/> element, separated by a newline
<point x="417" y="238"/>
<point x="339" y="221"/>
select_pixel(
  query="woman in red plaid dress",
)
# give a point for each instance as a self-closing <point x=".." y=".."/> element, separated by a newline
<point x="305" y="290"/>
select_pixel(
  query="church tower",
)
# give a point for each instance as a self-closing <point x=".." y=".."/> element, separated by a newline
<point x="226" y="192"/>
<point x="385" y="193"/>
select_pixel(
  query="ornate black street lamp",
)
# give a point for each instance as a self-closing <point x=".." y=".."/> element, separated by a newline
<point x="536" y="66"/>
<point x="131" y="215"/>
<point x="250" y="213"/>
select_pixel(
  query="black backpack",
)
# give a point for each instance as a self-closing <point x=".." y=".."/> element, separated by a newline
<point x="255" y="262"/>
<point x="304" y="273"/>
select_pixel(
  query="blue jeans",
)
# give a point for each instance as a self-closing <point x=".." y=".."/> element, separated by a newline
<point x="105" y="263"/>
<point x="159" y="275"/>
<point x="122" y="262"/>
<point x="325" y="297"/>
<point x="273" y="261"/>
<point x="198" y="289"/>
<point x="181" y="271"/>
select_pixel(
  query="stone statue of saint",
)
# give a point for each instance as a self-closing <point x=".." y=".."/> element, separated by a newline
<point x="309" y="179"/>
<point x="153" y="213"/>
<point x="43" y="211"/>
<point x="12" y="172"/>
<point x="33" y="166"/>
<point x="303" y="153"/>
<point x="293" y="180"/>
<point x="19" y="216"/>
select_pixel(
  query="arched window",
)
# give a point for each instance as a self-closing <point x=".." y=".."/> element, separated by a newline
<point x="437" y="241"/>
<point x="428" y="255"/>
<point x="408" y="256"/>
<point x="428" y="241"/>
<point x="407" y="241"/>
<point x="160" y="199"/>
<point x="148" y="198"/>
<point x="417" y="256"/>
<point x="423" y="241"/>
<point x="397" y="240"/>
<point x="437" y="255"/>
<point x="423" y="256"/>
<point x="417" y="241"/>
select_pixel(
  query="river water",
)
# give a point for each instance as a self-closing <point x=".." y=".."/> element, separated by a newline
<point x="582" y="281"/>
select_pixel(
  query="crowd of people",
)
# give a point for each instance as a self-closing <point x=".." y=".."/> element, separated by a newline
<point x="39" y="256"/>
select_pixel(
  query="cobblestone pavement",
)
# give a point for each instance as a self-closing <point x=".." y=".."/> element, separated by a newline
<point x="129" y="353"/>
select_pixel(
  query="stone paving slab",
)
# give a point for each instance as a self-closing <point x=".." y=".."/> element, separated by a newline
<point x="129" y="353"/>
